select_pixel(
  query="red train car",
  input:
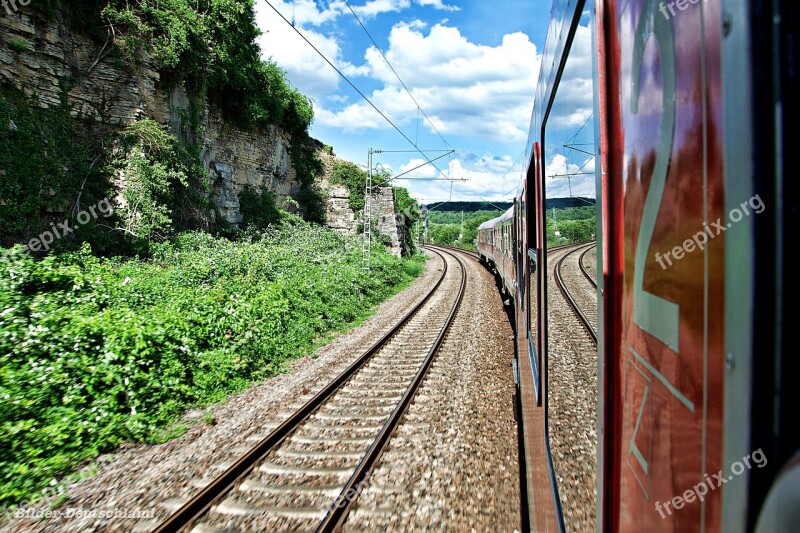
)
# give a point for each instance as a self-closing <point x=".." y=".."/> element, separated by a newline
<point x="686" y="132"/>
<point x="495" y="247"/>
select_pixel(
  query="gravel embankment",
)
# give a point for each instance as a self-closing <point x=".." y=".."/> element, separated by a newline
<point x="572" y="398"/>
<point x="579" y="287"/>
<point x="452" y="465"/>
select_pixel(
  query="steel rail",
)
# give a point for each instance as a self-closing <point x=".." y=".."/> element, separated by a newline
<point x="221" y="485"/>
<point x="583" y="268"/>
<point x="568" y="297"/>
<point x="472" y="253"/>
<point x="338" y="511"/>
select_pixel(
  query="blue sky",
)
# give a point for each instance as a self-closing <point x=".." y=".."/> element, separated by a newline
<point x="471" y="68"/>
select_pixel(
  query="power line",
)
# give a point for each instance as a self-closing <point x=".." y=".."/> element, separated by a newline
<point x="334" y="67"/>
<point x="571" y="146"/>
<point x="419" y="109"/>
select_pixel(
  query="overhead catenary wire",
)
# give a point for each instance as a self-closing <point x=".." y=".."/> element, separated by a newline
<point x="419" y="108"/>
<point x="569" y="145"/>
<point x="345" y="78"/>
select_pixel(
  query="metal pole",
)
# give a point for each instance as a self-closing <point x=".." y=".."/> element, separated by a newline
<point x="367" y="243"/>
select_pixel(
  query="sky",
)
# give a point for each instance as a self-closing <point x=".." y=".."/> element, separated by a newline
<point x="444" y="76"/>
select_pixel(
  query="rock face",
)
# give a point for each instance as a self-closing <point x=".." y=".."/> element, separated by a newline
<point x="53" y="64"/>
<point x="384" y="215"/>
<point x="385" y="218"/>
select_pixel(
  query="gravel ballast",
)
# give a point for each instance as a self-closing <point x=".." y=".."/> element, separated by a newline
<point x="453" y="462"/>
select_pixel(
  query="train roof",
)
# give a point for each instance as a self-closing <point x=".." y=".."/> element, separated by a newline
<point x="502" y="218"/>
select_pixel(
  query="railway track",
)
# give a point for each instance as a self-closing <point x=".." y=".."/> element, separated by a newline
<point x="568" y="296"/>
<point x="471" y="253"/>
<point x="305" y="473"/>
<point x="581" y="262"/>
<point x="572" y="387"/>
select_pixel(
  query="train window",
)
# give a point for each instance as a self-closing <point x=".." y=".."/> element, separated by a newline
<point x="568" y="152"/>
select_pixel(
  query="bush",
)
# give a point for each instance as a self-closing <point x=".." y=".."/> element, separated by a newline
<point x="99" y="351"/>
<point x="257" y="207"/>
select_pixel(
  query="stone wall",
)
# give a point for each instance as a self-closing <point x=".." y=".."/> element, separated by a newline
<point x="385" y="218"/>
<point x="341" y="217"/>
<point x="61" y="65"/>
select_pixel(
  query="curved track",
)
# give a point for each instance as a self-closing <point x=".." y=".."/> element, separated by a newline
<point x="572" y="387"/>
<point x="562" y="286"/>
<point x="585" y="271"/>
<point x="471" y="253"/>
<point x="306" y="473"/>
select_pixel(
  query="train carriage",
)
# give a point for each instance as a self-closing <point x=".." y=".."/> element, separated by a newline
<point x="495" y="247"/>
<point x="694" y="219"/>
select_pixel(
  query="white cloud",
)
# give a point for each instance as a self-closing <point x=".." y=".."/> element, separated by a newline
<point x="464" y="88"/>
<point x="570" y="128"/>
<point x="478" y="94"/>
<point x="438" y="5"/>
<point x="487" y="178"/>
<point x="374" y="8"/>
<point x="579" y="185"/>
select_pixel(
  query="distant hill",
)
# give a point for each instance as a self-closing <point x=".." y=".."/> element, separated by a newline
<point x="470" y="207"/>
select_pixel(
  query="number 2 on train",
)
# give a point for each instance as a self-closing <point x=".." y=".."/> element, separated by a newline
<point x="653" y="314"/>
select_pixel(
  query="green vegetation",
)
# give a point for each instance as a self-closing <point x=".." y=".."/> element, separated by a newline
<point x="18" y="45"/>
<point x="74" y="163"/>
<point x="354" y="178"/>
<point x="574" y="224"/>
<point x="47" y="161"/>
<point x="411" y="215"/>
<point x="257" y="207"/>
<point x="210" y="45"/>
<point x="207" y="46"/>
<point x="99" y="351"/>
<point x="133" y="318"/>
<point x="444" y="227"/>
<point x="308" y="167"/>
<point x="154" y="164"/>
<point x="348" y="174"/>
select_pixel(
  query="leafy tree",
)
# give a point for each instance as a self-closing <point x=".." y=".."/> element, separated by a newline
<point x="257" y="207"/>
<point x="441" y="224"/>
<point x="146" y="158"/>
<point x="443" y="233"/>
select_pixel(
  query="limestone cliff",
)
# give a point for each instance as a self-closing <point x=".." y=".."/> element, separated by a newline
<point x="55" y="64"/>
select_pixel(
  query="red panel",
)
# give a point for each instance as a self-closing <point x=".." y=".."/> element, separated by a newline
<point x="665" y="350"/>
